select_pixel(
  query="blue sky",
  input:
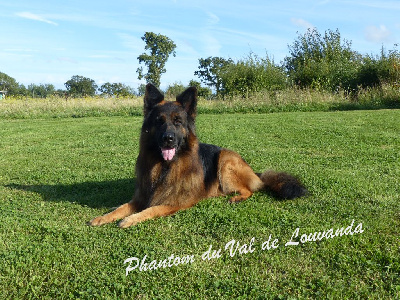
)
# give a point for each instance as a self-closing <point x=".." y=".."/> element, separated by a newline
<point x="50" y="41"/>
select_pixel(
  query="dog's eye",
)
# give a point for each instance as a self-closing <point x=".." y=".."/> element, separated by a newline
<point x="160" y="120"/>
<point x="177" y="121"/>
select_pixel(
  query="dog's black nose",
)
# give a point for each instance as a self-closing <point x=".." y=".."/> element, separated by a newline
<point x="168" y="137"/>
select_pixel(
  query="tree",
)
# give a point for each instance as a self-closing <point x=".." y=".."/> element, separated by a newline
<point x="141" y="90"/>
<point x="40" y="91"/>
<point x="122" y="90"/>
<point x="8" y="84"/>
<point x="21" y="91"/>
<point x="79" y="86"/>
<point x="116" y="89"/>
<point x="106" y="89"/>
<point x="160" y="48"/>
<point x="210" y="70"/>
<point x="174" y="90"/>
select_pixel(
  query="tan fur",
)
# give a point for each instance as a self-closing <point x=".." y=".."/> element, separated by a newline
<point x="120" y="212"/>
<point x="148" y="213"/>
<point x="236" y="176"/>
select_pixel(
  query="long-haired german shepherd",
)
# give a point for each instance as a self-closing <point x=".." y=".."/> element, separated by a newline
<point x="174" y="171"/>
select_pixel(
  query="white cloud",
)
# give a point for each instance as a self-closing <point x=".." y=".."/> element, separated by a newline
<point x="379" y="4"/>
<point x="67" y="60"/>
<point x="15" y="55"/>
<point x="99" y="56"/>
<point x="211" y="45"/>
<point x="324" y="2"/>
<point x="378" y="34"/>
<point x="184" y="47"/>
<point x="302" y="23"/>
<point x="212" y="19"/>
<point x="131" y="42"/>
<point x="19" y="50"/>
<point x="31" y="16"/>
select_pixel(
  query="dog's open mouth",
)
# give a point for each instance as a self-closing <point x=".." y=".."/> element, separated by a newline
<point x="168" y="153"/>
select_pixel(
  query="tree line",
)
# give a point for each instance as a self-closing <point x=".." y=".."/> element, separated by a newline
<point x="317" y="61"/>
<point x="77" y="86"/>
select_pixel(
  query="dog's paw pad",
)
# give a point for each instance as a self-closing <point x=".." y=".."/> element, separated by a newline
<point x="98" y="221"/>
<point x="125" y="223"/>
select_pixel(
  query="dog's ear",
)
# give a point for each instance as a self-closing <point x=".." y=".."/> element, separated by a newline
<point x="152" y="97"/>
<point x="188" y="99"/>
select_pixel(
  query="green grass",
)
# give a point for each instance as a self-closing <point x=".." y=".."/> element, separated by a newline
<point x="56" y="174"/>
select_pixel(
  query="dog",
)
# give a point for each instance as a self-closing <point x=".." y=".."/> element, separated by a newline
<point x="174" y="171"/>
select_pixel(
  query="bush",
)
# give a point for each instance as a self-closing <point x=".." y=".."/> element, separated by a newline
<point x="328" y="63"/>
<point x="393" y="60"/>
<point x="202" y="92"/>
<point x="174" y="90"/>
<point x="383" y="69"/>
<point x="252" y="75"/>
<point x="323" y="62"/>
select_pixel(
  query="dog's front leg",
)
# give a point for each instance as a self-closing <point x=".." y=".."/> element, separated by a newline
<point x="148" y="213"/>
<point x="119" y="213"/>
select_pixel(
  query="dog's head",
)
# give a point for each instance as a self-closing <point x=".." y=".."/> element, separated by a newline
<point x="168" y="125"/>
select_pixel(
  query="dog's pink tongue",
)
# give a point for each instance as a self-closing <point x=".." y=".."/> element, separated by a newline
<point x="168" y="154"/>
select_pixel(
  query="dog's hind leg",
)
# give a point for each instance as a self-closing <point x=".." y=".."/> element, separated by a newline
<point x="236" y="176"/>
<point x="119" y="213"/>
<point x="148" y="213"/>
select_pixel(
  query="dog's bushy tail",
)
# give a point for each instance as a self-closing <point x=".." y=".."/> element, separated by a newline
<point x="283" y="185"/>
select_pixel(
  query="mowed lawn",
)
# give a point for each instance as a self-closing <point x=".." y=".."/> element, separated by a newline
<point x="57" y="174"/>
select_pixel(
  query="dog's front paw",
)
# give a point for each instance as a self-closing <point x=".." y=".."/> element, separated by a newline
<point x="127" y="222"/>
<point x="97" y="221"/>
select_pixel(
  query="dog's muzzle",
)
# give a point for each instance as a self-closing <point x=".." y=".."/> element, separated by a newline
<point x="168" y="150"/>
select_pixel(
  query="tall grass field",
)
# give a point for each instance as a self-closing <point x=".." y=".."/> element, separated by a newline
<point x="340" y="242"/>
<point x="287" y="100"/>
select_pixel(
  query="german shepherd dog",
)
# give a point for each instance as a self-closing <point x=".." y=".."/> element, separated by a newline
<point x="174" y="171"/>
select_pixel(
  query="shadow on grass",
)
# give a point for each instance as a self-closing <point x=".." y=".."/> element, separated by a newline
<point x="92" y="194"/>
